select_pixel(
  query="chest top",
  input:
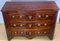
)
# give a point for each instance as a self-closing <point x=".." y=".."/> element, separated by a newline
<point x="30" y="5"/>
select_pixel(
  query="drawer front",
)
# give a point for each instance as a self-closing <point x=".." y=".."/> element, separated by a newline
<point x="31" y="25"/>
<point x="30" y="16"/>
<point x="28" y="32"/>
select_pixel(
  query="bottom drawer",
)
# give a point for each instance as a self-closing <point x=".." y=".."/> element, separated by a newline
<point x="28" y="32"/>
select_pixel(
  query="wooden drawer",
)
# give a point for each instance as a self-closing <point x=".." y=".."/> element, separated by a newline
<point x="30" y="15"/>
<point x="31" y="25"/>
<point x="27" y="32"/>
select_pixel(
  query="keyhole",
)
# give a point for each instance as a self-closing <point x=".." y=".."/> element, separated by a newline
<point x="29" y="33"/>
<point x="30" y="17"/>
<point x="30" y="25"/>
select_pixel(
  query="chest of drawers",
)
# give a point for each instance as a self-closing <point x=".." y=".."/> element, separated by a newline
<point x="30" y="19"/>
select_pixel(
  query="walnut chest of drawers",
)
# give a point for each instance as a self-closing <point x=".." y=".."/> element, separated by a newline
<point x="30" y="19"/>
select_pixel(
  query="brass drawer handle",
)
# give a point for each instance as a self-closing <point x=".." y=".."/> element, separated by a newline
<point x="45" y="32"/>
<point x="30" y="25"/>
<point x="14" y="25"/>
<point x="39" y="16"/>
<point x="15" y="32"/>
<point x="45" y="24"/>
<point x="21" y="25"/>
<point x="39" y="24"/>
<point x="20" y="16"/>
<point x="47" y="16"/>
<point x="13" y="16"/>
<point x="38" y="32"/>
<point x="21" y="32"/>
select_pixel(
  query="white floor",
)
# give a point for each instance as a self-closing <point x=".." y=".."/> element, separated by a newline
<point x="3" y="36"/>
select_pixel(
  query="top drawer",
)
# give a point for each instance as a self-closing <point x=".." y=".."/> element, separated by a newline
<point x="30" y="15"/>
